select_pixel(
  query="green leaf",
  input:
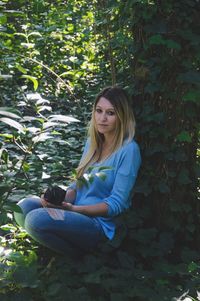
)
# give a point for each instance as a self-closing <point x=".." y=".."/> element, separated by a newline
<point x="192" y="96"/>
<point x="21" y="69"/>
<point x="62" y="118"/>
<point x="193" y="267"/>
<point x="183" y="177"/>
<point x="3" y="19"/>
<point x="26" y="167"/>
<point x="34" y="33"/>
<point x="184" y="136"/>
<point x="81" y="182"/>
<point x="105" y="168"/>
<point x="33" y="79"/>
<point x="42" y="137"/>
<point x="101" y="175"/>
<point x="172" y="44"/>
<point x="9" y="112"/>
<point x="8" y="227"/>
<point x="20" y="34"/>
<point x="14" y="124"/>
<point x="4" y="188"/>
<point x="156" y="39"/>
<point x="5" y="76"/>
<point x="7" y="136"/>
<point x="12" y="207"/>
<point x="28" y="45"/>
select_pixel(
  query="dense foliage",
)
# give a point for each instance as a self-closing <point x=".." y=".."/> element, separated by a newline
<point x="55" y="56"/>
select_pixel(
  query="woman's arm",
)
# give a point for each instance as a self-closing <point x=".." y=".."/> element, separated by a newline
<point x="100" y="209"/>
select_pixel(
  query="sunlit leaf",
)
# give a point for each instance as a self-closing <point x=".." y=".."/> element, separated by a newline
<point x="63" y="118"/>
<point x="26" y="167"/>
<point x="42" y="137"/>
<point x="33" y="79"/>
<point x="28" y="45"/>
<point x="33" y="130"/>
<point x="101" y="175"/>
<point x="21" y="69"/>
<point x="43" y="108"/>
<point x="8" y="136"/>
<point x="9" y="112"/>
<point x="8" y="227"/>
<point x="13" y="123"/>
<point x="20" y="34"/>
<point x="45" y="175"/>
<point x="5" y="76"/>
<point x="49" y="124"/>
<point x="34" y="33"/>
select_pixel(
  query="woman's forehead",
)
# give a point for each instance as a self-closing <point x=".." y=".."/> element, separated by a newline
<point x="104" y="103"/>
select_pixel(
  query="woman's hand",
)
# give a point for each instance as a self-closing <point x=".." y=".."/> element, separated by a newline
<point x="49" y="205"/>
<point x="67" y="206"/>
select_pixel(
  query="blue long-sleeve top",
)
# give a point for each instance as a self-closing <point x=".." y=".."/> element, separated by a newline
<point x="114" y="186"/>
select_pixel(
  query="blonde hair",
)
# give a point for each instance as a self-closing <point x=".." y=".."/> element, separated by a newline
<point x="125" y="127"/>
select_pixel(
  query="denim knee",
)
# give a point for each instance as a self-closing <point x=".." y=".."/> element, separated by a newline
<point x="27" y="204"/>
<point x="34" y="221"/>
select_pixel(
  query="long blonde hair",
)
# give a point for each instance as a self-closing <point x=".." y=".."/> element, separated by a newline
<point x="125" y="127"/>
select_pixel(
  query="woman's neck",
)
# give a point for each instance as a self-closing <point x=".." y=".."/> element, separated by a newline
<point x="106" y="149"/>
<point x="108" y="140"/>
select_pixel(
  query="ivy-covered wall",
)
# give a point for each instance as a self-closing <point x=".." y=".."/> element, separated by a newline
<point x="153" y="50"/>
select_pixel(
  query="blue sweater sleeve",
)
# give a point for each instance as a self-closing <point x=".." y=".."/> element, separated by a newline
<point x="126" y="174"/>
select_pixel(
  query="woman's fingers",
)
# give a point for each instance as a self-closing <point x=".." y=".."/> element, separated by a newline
<point x="67" y="206"/>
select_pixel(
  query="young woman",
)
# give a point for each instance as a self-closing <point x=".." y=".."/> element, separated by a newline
<point x="87" y="214"/>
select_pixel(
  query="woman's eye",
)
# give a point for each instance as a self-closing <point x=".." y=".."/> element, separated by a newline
<point x="111" y="113"/>
<point x="98" y="110"/>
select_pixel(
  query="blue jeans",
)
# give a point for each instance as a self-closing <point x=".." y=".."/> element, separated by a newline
<point x="65" y="232"/>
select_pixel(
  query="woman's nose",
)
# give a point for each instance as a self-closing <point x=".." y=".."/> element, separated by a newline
<point x="103" y="116"/>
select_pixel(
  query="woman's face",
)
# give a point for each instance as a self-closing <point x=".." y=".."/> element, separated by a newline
<point x="105" y="117"/>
